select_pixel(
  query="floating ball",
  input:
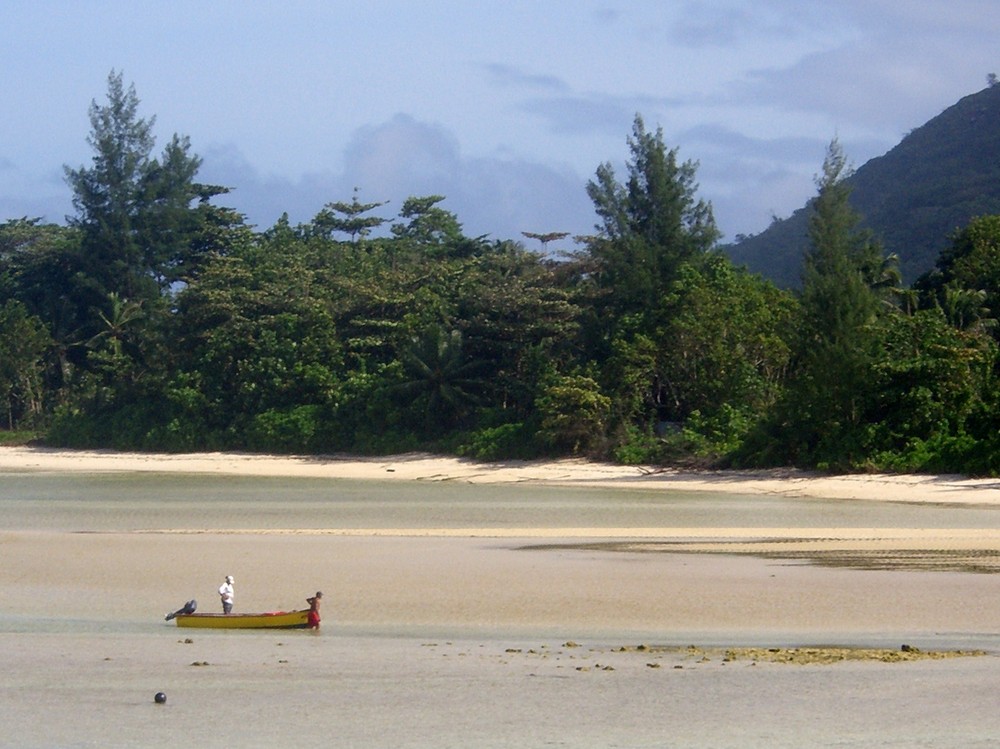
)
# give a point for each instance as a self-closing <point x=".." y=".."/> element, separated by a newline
<point x="160" y="698"/>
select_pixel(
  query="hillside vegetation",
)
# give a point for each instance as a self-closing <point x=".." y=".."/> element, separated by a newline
<point x="940" y="176"/>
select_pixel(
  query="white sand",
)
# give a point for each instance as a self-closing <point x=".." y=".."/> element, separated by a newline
<point x="565" y="472"/>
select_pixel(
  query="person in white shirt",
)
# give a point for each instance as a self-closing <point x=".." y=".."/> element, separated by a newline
<point x="226" y="594"/>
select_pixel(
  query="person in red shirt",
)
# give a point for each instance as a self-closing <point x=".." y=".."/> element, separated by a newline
<point x="314" y="610"/>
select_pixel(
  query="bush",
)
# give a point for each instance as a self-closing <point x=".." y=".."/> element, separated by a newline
<point x="504" y="442"/>
<point x="638" y="447"/>
<point x="17" y="437"/>
<point x="573" y="413"/>
<point x="285" y="430"/>
<point x="720" y="433"/>
<point x="942" y="453"/>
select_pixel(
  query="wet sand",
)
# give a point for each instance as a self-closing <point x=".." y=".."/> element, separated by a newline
<point x="468" y="585"/>
<point x="607" y="578"/>
<point x="490" y="636"/>
<point x="264" y="690"/>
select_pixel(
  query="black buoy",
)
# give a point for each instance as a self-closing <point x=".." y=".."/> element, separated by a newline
<point x="160" y="698"/>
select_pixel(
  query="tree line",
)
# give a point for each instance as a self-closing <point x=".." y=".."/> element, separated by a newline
<point x="156" y="319"/>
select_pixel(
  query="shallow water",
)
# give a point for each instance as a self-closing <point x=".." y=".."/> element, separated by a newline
<point x="455" y="642"/>
<point x="122" y="502"/>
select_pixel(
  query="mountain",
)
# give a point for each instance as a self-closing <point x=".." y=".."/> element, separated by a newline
<point x="939" y="177"/>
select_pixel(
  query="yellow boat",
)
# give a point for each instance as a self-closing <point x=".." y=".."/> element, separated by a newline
<point x="269" y="620"/>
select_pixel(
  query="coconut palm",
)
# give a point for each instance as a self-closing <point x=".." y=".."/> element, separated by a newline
<point x="440" y="379"/>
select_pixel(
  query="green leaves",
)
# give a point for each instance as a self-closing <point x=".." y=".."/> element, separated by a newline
<point x="649" y="226"/>
<point x="259" y="339"/>
<point x="161" y="321"/>
<point x="141" y="230"/>
<point x="348" y="218"/>
<point x="965" y="283"/>
<point x="573" y="413"/>
<point x="23" y="344"/>
<point x="441" y="383"/>
<point x="726" y="340"/>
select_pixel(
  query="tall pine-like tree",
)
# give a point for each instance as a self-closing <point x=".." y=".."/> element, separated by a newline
<point x="838" y="344"/>
<point x="650" y="224"/>
<point x="136" y="212"/>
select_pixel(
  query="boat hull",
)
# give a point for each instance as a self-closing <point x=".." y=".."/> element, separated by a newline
<point x="270" y="620"/>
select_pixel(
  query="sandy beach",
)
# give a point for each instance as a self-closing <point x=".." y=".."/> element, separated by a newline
<point x="565" y="472"/>
<point x="546" y="622"/>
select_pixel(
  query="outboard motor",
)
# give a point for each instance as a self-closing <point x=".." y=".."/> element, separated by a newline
<point x="187" y="608"/>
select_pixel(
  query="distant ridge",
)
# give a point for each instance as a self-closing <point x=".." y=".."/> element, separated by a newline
<point x="939" y="177"/>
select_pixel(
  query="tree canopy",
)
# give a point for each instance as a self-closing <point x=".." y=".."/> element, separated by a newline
<point x="157" y="319"/>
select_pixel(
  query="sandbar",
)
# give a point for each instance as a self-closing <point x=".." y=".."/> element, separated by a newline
<point x="724" y="576"/>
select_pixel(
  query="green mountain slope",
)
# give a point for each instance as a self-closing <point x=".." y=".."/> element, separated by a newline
<point x="935" y="181"/>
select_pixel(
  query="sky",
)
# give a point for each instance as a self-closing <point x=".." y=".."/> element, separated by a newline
<point x="505" y="108"/>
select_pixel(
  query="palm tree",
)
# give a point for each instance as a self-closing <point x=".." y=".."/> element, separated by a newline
<point x="116" y="331"/>
<point x="440" y="377"/>
<point x="966" y="308"/>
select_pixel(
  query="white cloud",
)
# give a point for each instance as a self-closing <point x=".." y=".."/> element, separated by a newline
<point x="23" y="193"/>
<point x="294" y="107"/>
<point x="401" y="158"/>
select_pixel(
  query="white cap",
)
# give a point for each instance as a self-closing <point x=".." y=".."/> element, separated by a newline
<point x="229" y="579"/>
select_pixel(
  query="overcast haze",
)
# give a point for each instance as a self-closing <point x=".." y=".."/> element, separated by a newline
<point x="505" y="108"/>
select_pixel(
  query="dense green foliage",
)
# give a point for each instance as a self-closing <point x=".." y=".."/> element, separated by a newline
<point x="158" y="320"/>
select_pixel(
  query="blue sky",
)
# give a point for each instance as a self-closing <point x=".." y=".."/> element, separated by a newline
<point x="505" y="108"/>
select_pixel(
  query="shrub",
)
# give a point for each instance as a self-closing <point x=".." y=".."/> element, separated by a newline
<point x="507" y="441"/>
